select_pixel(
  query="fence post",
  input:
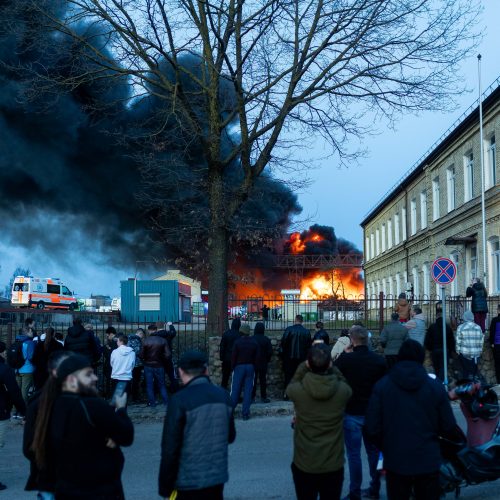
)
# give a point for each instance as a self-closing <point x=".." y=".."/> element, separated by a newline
<point x="381" y="311"/>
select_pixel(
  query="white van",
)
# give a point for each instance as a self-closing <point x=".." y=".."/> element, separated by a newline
<point x="42" y="293"/>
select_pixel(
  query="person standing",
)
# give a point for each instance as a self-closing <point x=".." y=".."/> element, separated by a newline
<point x="469" y="345"/>
<point x="416" y="326"/>
<point x="265" y="313"/>
<point x="319" y="393"/>
<point x="403" y="308"/>
<point x="20" y="356"/>
<point x="154" y="354"/>
<point x="343" y="342"/>
<point x="363" y="369"/>
<point x="391" y="338"/>
<point x="135" y="342"/>
<point x="479" y="304"/>
<point x="265" y="354"/>
<point x="295" y="343"/>
<point x="321" y="333"/>
<point x="82" y="434"/>
<point x="194" y="462"/>
<point x="122" y="362"/>
<point x="109" y="346"/>
<point x="243" y="361"/>
<point x="10" y="394"/>
<point x="495" y="342"/>
<point x="434" y="343"/>
<point x="407" y="413"/>
<point x="81" y="341"/>
<point x="43" y="349"/>
<point x="169" y="334"/>
<point x="226" y="345"/>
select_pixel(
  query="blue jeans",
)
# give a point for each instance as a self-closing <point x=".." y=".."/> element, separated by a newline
<point x="353" y="435"/>
<point x="151" y="375"/>
<point x="243" y="375"/>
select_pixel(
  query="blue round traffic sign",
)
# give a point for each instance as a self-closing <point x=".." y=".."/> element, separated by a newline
<point x="444" y="271"/>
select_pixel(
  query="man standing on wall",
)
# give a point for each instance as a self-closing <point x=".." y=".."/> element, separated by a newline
<point x="295" y="343"/>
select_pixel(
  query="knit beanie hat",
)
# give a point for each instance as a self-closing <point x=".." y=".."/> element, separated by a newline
<point x="71" y="365"/>
<point x="411" y="350"/>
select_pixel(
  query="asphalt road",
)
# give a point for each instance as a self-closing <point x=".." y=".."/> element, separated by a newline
<point x="259" y="464"/>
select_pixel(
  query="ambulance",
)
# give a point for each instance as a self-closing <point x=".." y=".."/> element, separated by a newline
<point x="50" y="293"/>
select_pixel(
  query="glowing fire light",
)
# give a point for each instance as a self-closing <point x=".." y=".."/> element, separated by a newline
<point x="298" y="245"/>
<point x="328" y="284"/>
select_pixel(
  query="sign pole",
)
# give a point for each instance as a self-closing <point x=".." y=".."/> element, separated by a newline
<point x="445" y="349"/>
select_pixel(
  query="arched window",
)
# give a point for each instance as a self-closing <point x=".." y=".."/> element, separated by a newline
<point x="494" y="264"/>
<point x="416" y="284"/>
<point x="426" y="285"/>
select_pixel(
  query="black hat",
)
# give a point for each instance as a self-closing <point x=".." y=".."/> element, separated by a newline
<point x="193" y="360"/>
<point x="70" y="365"/>
<point x="411" y="350"/>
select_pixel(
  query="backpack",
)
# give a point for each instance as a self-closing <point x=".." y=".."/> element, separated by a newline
<point x="15" y="358"/>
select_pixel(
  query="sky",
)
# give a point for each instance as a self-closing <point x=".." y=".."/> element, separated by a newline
<point x="336" y="197"/>
<point x="357" y="189"/>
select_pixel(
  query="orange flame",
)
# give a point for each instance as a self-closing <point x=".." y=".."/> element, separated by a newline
<point x="298" y="245"/>
<point x="323" y="285"/>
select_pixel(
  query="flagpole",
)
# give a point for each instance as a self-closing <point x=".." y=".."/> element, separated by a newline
<point x="481" y="149"/>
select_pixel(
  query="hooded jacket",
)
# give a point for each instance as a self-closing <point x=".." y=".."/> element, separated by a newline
<point x="81" y="342"/>
<point x="227" y="341"/>
<point x="407" y="412"/>
<point x="416" y="328"/>
<point x="478" y="292"/>
<point x="122" y="363"/>
<point x="320" y="401"/>
<point x="28" y="351"/>
<point x="392" y="336"/>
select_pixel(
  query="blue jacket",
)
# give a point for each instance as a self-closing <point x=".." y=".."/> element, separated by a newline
<point x="28" y="351"/>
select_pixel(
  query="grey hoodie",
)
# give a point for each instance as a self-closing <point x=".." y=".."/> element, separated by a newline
<point x="122" y="363"/>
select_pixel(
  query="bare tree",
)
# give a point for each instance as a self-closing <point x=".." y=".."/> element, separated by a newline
<point x="270" y="74"/>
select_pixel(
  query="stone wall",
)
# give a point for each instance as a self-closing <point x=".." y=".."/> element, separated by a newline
<point x="275" y="373"/>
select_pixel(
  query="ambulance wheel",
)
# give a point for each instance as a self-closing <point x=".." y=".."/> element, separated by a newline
<point x="72" y="307"/>
<point x="40" y="305"/>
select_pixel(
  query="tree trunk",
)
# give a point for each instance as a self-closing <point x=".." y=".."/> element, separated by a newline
<point x="218" y="258"/>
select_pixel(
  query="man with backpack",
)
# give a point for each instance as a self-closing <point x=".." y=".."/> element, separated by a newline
<point x="81" y="341"/>
<point x="19" y="358"/>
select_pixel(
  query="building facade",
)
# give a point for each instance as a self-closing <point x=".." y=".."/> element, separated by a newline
<point x="435" y="211"/>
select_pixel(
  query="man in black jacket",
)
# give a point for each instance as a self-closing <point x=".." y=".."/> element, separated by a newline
<point x="81" y="341"/>
<point x="194" y="461"/>
<point x="169" y="335"/>
<point x="407" y="413"/>
<point x="495" y="342"/>
<point x="363" y="369"/>
<point x="265" y="354"/>
<point x="295" y="344"/>
<point x="9" y="394"/>
<point x="86" y="434"/>
<point x="434" y="343"/>
<point x="227" y="341"/>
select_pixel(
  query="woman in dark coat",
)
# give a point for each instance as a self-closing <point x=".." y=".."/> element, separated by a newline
<point x="479" y="303"/>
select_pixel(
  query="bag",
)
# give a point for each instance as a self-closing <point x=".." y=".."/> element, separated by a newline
<point x="15" y="358"/>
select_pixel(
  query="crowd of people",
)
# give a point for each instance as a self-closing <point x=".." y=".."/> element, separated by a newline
<point x="346" y="396"/>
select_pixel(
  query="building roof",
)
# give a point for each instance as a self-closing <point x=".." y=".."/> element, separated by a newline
<point x="470" y="116"/>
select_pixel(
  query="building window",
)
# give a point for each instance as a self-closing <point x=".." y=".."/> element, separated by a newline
<point x="391" y="286"/>
<point x="389" y="233"/>
<point x="473" y="262"/>
<point x="403" y="223"/>
<point x="494" y="248"/>
<point x="435" y="199"/>
<point x="367" y="249"/>
<point x="426" y="282"/>
<point x="149" y="302"/>
<point x="379" y="288"/>
<point x="450" y="182"/>
<point x="416" y="284"/>
<point x="396" y="229"/>
<point x="383" y="237"/>
<point x="423" y="209"/>
<point x="377" y="241"/>
<point x="406" y="285"/>
<point x="454" y="286"/>
<point x="491" y="162"/>
<point x="372" y="246"/>
<point x="468" y="176"/>
<point x="413" y="216"/>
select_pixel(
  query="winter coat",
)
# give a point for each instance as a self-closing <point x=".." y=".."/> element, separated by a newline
<point x="319" y="401"/>
<point x="227" y="341"/>
<point x="191" y="457"/>
<point x="322" y="335"/>
<point x="478" y="292"/>
<point x="339" y="346"/>
<point x="246" y="351"/>
<point x="403" y="309"/>
<point x="495" y="331"/>
<point x="41" y="358"/>
<point x="122" y="363"/>
<point x="408" y="410"/>
<point x="168" y="335"/>
<point x="295" y="342"/>
<point x="28" y="351"/>
<point x="392" y="336"/>
<point x="155" y="352"/>
<point x="10" y="394"/>
<point x="265" y="351"/>
<point x="82" y="342"/>
<point x="109" y="347"/>
<point x="362" y="369"/>
<point x="416" y="328"/>
<point x="135" y="342"/>
<point x="79" y="429"/>
<point x="434" y="337"/>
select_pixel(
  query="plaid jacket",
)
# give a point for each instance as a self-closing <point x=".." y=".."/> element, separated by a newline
<point x="470" y="340"/>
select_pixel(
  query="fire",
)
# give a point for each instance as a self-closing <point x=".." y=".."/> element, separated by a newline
<point x="322" y="285"/>
<point x="297" y="245"/>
